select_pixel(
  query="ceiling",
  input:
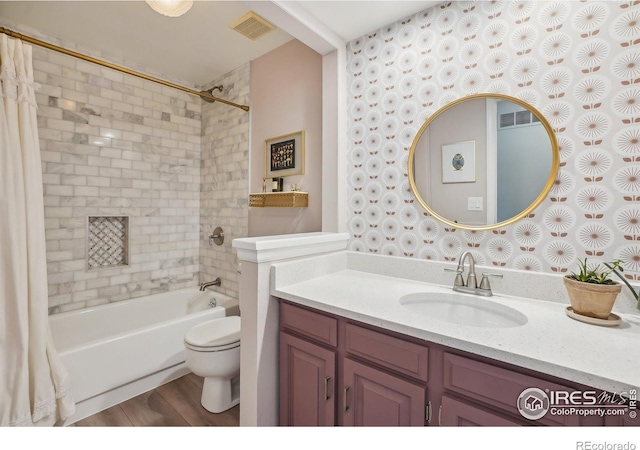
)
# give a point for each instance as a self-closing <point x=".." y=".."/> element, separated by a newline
<point x="195" y="48"/>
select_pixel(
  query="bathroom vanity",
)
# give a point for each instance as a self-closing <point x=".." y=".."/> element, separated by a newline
<point x="336" y="371"/>
<point x="352" y="354"/>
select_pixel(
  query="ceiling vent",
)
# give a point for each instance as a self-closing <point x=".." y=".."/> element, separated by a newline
<point x="252" y="26"/>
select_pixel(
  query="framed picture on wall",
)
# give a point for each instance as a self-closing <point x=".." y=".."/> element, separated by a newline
<point x="459" y="162"/>
<point x="284" y="155"/>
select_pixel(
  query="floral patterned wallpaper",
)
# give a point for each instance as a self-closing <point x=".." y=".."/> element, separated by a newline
<point x="577" y="62"/>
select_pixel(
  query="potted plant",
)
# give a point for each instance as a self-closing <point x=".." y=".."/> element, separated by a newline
<point x="591" y="291"/>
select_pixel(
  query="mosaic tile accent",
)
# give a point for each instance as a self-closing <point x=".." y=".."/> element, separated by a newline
<point x="107" y="241"/>
<point x="576" y="62"/>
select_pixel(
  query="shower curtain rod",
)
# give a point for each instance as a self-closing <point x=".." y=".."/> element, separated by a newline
<point x="100" y="62"/>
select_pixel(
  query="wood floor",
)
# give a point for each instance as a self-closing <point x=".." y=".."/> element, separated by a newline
<point x="174" y="404"/>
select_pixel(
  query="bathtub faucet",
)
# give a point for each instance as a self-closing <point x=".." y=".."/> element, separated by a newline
<point x="215" y="282"/>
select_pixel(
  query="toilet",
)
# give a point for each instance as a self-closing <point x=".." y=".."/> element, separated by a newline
<point x="212" y="351"/>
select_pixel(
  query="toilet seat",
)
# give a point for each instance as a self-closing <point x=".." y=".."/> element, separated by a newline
<point x="214" y="335"/>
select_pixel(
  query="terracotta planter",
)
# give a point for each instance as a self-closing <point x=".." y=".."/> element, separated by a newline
<point x="592" y="300"/>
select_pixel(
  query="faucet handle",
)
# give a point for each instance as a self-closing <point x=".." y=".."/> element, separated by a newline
<point x="459" y="281"/>
<point x="484" y="283"/>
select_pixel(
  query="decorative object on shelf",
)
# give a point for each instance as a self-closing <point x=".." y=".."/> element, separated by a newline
<point x="264" y="185"/>
<point x="295" y="188"/>
<point x="170" y="8"/>
<point x="279" y="199"/>
<point x="284" y="155"/>
<point x="277" y="184"/>
<point x="459" y="162"/>
<point x="591" y="291"/>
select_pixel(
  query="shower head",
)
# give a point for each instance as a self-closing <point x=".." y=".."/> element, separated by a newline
<point x="210" y="92"/>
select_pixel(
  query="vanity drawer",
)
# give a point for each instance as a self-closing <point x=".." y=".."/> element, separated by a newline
<point x="316" y="326"/>
<point x="458" y="413"/>
<point x="497" y="387"/>
<point x="396" y="354"/>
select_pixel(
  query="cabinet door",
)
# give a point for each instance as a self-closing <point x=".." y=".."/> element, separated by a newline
<point x="307" y="383"/>
<point x="373" y="398"/>
<point x="456" y="413"/>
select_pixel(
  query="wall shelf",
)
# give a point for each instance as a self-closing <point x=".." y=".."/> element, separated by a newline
<point x="295" y="199"/>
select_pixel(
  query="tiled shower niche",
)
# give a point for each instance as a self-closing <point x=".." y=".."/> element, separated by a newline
<point x="107" y="241"/>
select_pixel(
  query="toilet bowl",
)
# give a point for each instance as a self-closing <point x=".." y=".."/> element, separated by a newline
<point x="212" y="351"/>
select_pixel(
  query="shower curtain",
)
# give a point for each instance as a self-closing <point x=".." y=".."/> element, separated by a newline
<point x="34" y="387"/>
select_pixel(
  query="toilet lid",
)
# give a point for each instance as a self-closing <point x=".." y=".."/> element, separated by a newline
<point x="214" y="333"/>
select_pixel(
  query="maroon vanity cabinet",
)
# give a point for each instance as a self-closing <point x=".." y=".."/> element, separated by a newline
<point x="383" y="379"/>
<point x="307" y="367"/>
<point x="335" y="371"/>
<point x="321" y="384"/>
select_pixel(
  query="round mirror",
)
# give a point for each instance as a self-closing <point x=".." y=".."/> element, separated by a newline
<point x="483" y="161"/>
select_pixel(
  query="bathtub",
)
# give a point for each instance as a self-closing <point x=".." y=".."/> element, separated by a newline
<point x="116" y="351"/>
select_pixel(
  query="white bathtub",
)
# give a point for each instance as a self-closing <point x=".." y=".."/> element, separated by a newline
<point x="117" y="351"/>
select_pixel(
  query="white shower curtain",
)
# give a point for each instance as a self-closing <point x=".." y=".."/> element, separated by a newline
<point x="34" y="387"/>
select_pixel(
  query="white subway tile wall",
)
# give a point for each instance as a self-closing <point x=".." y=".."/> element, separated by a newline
<point x="224" y="179"/>
<point x="114" y="144"/>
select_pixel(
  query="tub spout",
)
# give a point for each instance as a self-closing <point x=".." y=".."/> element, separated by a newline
<point x="215" y="282"/>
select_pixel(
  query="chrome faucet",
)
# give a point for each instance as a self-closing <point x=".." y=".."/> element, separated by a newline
<point x="215" y="282"/>
<point x="471" y="285"/>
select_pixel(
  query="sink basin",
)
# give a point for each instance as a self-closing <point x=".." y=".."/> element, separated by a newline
<point x="463" y="309"/>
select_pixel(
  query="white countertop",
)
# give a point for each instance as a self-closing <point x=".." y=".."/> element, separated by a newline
<point x="550" y="342"/>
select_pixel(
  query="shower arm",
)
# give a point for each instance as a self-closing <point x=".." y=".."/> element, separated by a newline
<point x="208" y="96"/>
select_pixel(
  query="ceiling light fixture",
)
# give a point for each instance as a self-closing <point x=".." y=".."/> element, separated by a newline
<point x="170" y="8"/>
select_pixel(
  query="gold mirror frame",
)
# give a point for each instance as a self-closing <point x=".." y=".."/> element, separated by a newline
<point x="555" y="164"/>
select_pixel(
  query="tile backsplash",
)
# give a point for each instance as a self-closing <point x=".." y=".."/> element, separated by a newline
<point x="576" y="62"/>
